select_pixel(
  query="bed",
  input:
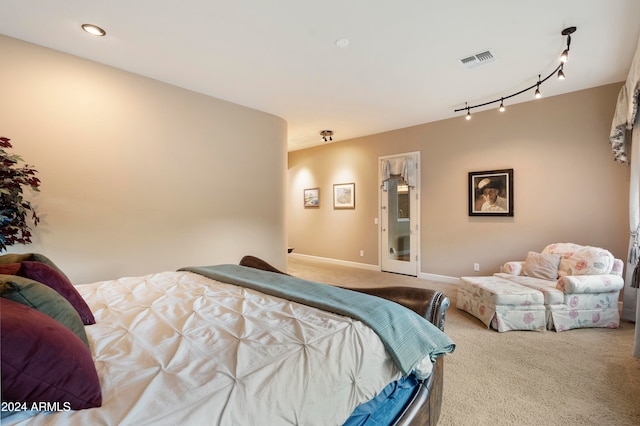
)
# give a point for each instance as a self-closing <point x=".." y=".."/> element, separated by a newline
<point x="238" y="344"/>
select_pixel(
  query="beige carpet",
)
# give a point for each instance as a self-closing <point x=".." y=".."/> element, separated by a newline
<point x="578" y="377"/>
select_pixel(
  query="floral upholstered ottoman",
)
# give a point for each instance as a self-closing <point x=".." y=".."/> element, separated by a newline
<point x="502" y="304"/>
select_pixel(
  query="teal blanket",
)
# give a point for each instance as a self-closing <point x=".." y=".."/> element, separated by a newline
<point x="407" y="336"/>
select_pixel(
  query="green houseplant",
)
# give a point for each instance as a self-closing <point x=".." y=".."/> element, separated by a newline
<point x="14" y="177"/>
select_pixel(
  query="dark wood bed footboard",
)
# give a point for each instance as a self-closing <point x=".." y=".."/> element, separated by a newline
<point x="430" y="304"/>
<point x="424" y="407"/>
<point x="257" y="263"/>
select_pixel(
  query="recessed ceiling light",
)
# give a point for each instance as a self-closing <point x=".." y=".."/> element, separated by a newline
<point x="94" y="30"/>
<point x="342" y="42"/>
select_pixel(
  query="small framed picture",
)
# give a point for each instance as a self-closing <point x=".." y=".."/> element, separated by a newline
<point x="491" y="193"/>
<point x="344" y="196"/>
<point x="312" y="197"/>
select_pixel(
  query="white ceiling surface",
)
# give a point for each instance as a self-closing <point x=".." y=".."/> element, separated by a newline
<point x="401" y="67"/>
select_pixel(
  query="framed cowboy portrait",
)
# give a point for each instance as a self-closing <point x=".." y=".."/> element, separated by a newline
<point x="491" y="193"/>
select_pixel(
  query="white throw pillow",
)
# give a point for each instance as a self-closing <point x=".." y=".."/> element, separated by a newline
<point x="542" y="265"/>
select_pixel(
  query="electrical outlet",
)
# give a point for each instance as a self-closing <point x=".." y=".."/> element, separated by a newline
<point x="361" y="253"/>
<point x="476" y="267"/>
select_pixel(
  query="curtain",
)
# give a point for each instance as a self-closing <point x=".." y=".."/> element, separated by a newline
<point x="629" y="303"/>
<point x="401" y="166"/>
<point x="635" y="291"/>
<point x="624" y="118"/>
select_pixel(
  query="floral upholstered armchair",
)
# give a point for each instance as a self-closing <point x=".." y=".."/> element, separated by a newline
<point x="581" y="284"/>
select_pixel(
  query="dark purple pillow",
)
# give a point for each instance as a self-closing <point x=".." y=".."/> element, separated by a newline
<point x="9" y="268"/>
<point x="43" y="361"/>
<point x="48" y="276"/>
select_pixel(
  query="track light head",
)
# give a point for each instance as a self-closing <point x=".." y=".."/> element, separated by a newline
<point x="565" y="56"/>
<point x="538" y="95"/>
<point x="561" y="74"/>
<point x="468" y="116"/>
<point x="502" y="108"/>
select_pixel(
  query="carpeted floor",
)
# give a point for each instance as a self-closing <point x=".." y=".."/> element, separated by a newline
<point x="578" y="377"/>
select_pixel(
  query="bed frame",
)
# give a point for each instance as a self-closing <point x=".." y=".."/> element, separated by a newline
<point x="424" y="406"/>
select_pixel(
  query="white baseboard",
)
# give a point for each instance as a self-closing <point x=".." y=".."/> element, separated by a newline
<point x="421" y="275"/>
<point x="439" y="278"/>
<point x="338" y="261"/>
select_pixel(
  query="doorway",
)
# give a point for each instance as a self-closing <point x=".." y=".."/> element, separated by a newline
<point x="399" y="213"/>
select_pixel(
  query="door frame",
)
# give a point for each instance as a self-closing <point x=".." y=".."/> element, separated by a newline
<point x="416" y="226"/>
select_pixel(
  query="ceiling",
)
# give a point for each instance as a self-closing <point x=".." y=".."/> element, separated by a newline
<point x="401" y="66"/>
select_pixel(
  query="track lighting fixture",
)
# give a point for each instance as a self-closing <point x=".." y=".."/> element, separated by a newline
<point x="559" y="70"/>
<point x="327" y="135"/>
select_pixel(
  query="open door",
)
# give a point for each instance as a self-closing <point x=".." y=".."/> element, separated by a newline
<point x="399" y="208"/>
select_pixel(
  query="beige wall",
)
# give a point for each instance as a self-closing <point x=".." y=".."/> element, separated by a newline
<point x="139" y="176"/>
<point x="567" y="186"/>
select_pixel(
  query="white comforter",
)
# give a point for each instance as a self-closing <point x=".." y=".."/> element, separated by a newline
<point x="176" y="348"/>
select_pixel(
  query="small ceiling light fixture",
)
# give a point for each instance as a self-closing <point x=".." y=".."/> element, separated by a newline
<point x="561" y="73"/>
<point x="327" y="135"/>
<point x="559" y="70"/>
<point x="94" y="30"/>
<point x="538" y="95"/>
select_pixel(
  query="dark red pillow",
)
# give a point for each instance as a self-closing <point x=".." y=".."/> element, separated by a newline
<point x="9" y="268"/>
<point x="48" y="276"/>
<point x="43" y="361"/>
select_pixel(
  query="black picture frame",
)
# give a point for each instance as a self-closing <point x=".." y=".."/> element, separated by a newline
<point x="491" y="193"/>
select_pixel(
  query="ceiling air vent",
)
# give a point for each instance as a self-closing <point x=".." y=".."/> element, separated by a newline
<point x="478" y="59"/>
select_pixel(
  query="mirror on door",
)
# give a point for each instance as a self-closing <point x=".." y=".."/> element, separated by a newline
<point x="403" y="202"/>
<point x="399" y="231"/>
